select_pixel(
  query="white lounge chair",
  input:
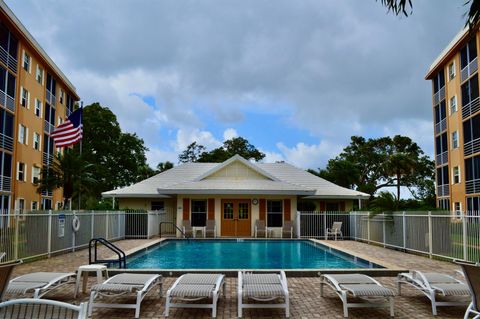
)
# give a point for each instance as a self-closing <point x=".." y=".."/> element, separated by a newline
<point x="287" y="229"/>
<point x="139" y="284"/>
<point x="194" y="287"/>
<point x="210" y="229"/>
<point x="335" y="231"/>
<point x="360" y="286"/>
<point x="188" y="229"/>
<point x="264" y="288"/>
<point x="433" y="284"/>
<point x="471" y="272"/>
<point x="42" y="308"/>
<point x="261" y="229"/>
<point x="39" y="283"/>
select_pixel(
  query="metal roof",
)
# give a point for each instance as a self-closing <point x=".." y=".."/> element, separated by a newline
<point x="280" y="179"/>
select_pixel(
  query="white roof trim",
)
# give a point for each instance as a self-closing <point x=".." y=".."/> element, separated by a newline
<point x="231" y="160"/>
<point x="359" y="196"/>
<point x="235" y="191"/>
<point x="120" y="195"/>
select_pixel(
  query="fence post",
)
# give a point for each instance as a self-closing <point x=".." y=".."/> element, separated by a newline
<point x="74" y="234"/>
<point x="92" y="221"/>
<point x="430" y="237"/>
<point x="368" y="228"/>
<point x="325" y="224"/>
<point x="355" y="225"/>
<point x="106" y="225"/>
<point x="383" y="229"/>
<point x="49" y="241"/>
<point x="464" y="233"/>
<point x="17" y="226"/>
<point x="298" y="225"/>
<point x="404" y="230"/>
<point x="119" y="225"/>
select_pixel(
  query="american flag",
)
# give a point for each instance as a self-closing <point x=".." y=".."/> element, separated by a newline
<point x="70" y="132"/>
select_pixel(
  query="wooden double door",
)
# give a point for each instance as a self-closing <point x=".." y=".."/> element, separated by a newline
<point x="236" y="217"/>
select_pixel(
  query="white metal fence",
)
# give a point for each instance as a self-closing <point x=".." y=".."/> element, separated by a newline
<point x="442" y="234"/>
<point x="43" y="233"/>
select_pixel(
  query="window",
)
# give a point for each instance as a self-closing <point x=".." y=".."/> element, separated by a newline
<point x="441" y="144"/>
<point x="38" y="108"/>
<point x="36" y="141"/>
<point x="61" y="97"/>
<point x="471" y="129"/>
<point x="46" y="203"/>
<point x="455" y="139"/>
<point x="39" y="75"/>
<point x="34" y="205"/>
<point x="21" y="173"/>
<point x="468" y="53"/>
<point x="332" y="207"/>
<point x="440" y="112"/>
<point x="453" y="104"/>
<point x="35" y="174"/>
<point x="20" y="205"/>
<point x="274" y="213"/>
<point x="158" y="205"/>
<point x="27" y="62"/>
<point x="470" y="90"/>
<point x="472" y="169"/>
<point x="456" y="175"/>
<point x="22" y="134"/>
<point x="438" y="81"/>
<point x="51" y="84"/>
<point x="442" y="175"/>
<point x="451" y="71"/>
<point x="25" y="98"/>
<point x="199" y="213"/>
<point x="444" y="204"/>
<point x="458" y="209"/>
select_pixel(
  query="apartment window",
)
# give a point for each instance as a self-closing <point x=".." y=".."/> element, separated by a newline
<point x="21" y="205"/>
<point x="51" y="84"/>
<point x="453" y="104"/>
<point x="21" y="173"/>
<point x="438" y="81"/>
<point x="25" y="98"/>
<point x="440" y="112"/>
<point x="27" y="62"/>
<point x="61" y="97"/>
<point x="442" y="175"/>
<point x="441" y="144"/>
<point x="22" y="134"/>
<point x="468" y="53"/>
<point x="35" y="174"/>
<point x="456" y="175"/>
<point x="36" y="141"/>
<point x="274" y="213"/>
<point x="332" y="207"/>
<point x="472" y="169"/>
<point x="39" y="75"/>
<point x="34" y="205"/>
<point x="38" y="108"/>
<point x="451" y="71"/>
<point x="471" y="129"/>
<point x="46" y="203"/>
<point x="444" y="204"/>
<point x="470" y="90"/>
<point x="458" y="209"/>
<point x="455" y="139"/>
<point x="199" y="213"/>
<point x="158" y="205"/>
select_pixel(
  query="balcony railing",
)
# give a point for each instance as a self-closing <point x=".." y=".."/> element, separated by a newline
<point x="442" y="158"/>
<point x="47" y="159"/>
<point x="441" y="126"/>
<point x="469" y="70"/>
<point x="47" y="193"/>
<point x="48" y="128"/>
<point x="50" y="98"/>
<point x="472" y="186"/>
<point x="7" y="101"/>
<point x="471" y="108"/>
<point x="8" y="60"/>
<point x="439" y="96"/>
<point x="6" y="142"/>
<point x="443" y="190"/>
<point x="471" y="147"/>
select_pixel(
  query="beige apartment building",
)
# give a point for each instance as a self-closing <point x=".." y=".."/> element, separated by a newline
<point x="456" y="118"/>
<point x="35" y="96"/>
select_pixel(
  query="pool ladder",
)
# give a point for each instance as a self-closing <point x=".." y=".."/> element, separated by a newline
<point x="93" y="244"/>
<point x="174" y="225"/>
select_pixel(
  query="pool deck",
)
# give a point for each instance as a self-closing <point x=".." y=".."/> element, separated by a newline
<point x="305" y="300"/>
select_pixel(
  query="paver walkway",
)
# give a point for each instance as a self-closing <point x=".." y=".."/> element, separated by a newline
<point x="305" y="293"/>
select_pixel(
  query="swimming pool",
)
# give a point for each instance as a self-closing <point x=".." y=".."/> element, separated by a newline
<point x="244" y="254"/>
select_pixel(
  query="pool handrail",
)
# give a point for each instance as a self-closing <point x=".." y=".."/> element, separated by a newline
<point x="122" y="258"/>
<point x="174" y="225"/>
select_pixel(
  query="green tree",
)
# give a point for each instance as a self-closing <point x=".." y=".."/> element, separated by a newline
<point x="340" y="172"/>
<point x="405" y="7"/>
<point x="384" y="202"/>
<point x="191" y="153"/>
<point x="69" y="171"/>
<point x="232" y="147"/>
<point x="163" y="166"/>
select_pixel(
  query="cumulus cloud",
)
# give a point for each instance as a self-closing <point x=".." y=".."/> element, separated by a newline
<point x="229" y="133"/>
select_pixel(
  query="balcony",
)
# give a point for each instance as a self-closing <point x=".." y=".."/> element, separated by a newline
<point x="47" y="193"/>
<point x="439" y="96"/>
<point x="48" y="128"/>
<point x="7" y="101"/>
<point x="50" y="98"/>
<point x="443" y="190"/>
<point x="442" y="158"/>
<point x="469" y="70"/>
<point x="471" y="108"/>
<point x="47" y="159"/>
<point x="8" y="60"/>
<point x="6" y="142"/>
<point x="441" y="126"/>
<point x="472" y="186"/>
<point x="471" y="147"/>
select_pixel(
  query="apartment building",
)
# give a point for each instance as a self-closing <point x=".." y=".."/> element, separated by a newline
<point x="456" y="118"/>
<point x="35" y="96"/>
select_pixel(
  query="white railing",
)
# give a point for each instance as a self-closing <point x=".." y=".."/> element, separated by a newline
<point x="441" y="126"/>
<point x="443" y="190"/>
<point x="472" y="186"/>
<point x="451" y="235"/>
<point x="439" y="96"/>
<point x="441" y="158"/>
<point x="469" y="70"/>
<point x="43" y="233"/>
<point x="471" y="147"/>
<point x="471" y="108"/>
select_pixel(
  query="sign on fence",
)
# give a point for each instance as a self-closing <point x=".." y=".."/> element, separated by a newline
<point x="61" y="225"/>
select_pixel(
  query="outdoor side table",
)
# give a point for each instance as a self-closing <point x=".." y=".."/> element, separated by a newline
<point x="99" y="269"/>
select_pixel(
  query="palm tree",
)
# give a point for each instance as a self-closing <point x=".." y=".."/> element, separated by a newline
<point x="384" y="202"/>
<point x="68" y="171"/>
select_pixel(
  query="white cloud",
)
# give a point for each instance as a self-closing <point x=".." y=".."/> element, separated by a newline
<point x="309" y="156"/>
<point x="229" y="133"/>
<point x="187" y="136"/>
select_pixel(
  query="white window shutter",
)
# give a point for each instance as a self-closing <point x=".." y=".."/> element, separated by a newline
<point x="18" y="168"/>
<point x="25" y="172"/>
<point x="26" y="136"/>
<point x="28" y="100"/>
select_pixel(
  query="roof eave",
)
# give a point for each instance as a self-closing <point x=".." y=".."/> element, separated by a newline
<point x="137" y="195"/>
<point x="360" y="196"/>
<point x="235" y="191"/>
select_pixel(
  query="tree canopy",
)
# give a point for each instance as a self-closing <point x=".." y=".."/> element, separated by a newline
<point x="237" y="145"/>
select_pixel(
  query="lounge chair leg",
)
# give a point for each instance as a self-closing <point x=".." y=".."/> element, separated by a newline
<point x="392" y="306"/>
<point x="90" y="303"/>
<point x="321" y="288"/>
<point x="287" y="308"/>
<point x="434" y="304"/>
<point x="167" y="304"/>
<point x="214" y="305"/>
<point x="467" y="313"/>
<point x="399" y="288"/>
<point x="239" y="306"/>
<point x="345" y="306"/>
<point x="137" y="306"/>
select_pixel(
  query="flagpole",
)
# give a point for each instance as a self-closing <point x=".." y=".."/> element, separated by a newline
<point x="80" y="176"/>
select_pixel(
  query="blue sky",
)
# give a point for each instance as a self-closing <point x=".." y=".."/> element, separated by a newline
<point x="296" y="78"/>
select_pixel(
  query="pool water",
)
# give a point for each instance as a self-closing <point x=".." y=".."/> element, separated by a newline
<point x="244" y="254"/>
